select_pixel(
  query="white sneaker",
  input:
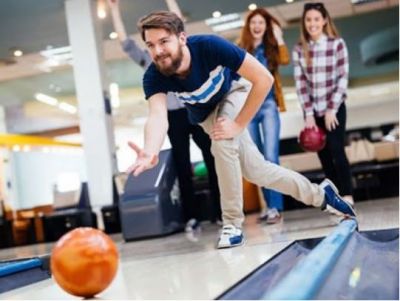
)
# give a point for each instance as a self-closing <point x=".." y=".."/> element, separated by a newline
<point x="192" y="225"/>
<point x="263" y="215"/>
<point x="274" y="216"/>
<point x="230" y="237"/>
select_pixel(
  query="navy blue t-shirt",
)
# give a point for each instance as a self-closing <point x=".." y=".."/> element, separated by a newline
<point x="214" y="62"/>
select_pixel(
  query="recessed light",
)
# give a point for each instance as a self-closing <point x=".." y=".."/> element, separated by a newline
<point x="113" y="35"/>
<point x="46" y="99"/>
<point x="101" y="14"/>
<point x="101" y="9"/>
<point x="71" y="109"/>
<point x="289" y="1"/>
<point x="216" y="14"/>
<point x="252" y="6"/>
<point x="18" y="52"/>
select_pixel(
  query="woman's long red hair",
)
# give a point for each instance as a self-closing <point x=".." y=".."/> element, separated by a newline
<point x="271" y="50"/>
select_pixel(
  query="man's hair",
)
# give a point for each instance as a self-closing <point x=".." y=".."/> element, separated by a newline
<point x="161" y="19"/>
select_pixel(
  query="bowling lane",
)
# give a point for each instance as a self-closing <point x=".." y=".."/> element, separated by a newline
<point x="188" y="267"/>
<point x="186" y="275"/>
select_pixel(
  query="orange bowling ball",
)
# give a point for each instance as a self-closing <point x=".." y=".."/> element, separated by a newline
<point x="84" y="262"/>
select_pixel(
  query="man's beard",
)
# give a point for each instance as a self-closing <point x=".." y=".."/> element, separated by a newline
<point x="171" y="69"/>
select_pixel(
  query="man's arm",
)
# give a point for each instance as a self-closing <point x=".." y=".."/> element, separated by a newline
<point x="117" y="20"/>
<point x="138" y="55"/>
<point x="155" y="131"/>
<point x="157" y="124"/>
<point x="261" y="80"/>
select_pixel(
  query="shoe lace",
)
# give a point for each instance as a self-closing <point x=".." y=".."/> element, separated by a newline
<point x="228" y="230"/>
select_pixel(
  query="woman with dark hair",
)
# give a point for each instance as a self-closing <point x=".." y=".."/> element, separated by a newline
<point x="262" y="37"/>
<point x="321" y="72"/>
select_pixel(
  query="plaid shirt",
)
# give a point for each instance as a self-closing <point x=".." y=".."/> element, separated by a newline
<point x="323" y="85"/>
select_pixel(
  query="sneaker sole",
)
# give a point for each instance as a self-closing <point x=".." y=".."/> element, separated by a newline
<point x="230" y="246"/>
<point x="274" y="221"/>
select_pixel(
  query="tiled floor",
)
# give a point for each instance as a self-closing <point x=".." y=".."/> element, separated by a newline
<point x="189" y="267"/>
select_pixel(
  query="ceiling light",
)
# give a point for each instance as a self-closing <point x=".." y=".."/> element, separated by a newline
<point x="67" y="108"/>
<point x="228" y="26"/>
<point x="289" y="1"/>
<point x="101" y="14"/>
<point x="16" y="148"/>
<point x="57" y="56"/>
<point x="225" y="22"/>
<point x="101" y="9"/>
<point x="56" y="51"/>
<point x="222" y="19"/>
<point x="216" y="14"/>
<point x="113" y="35"/>
<point x="18" y="52"/>
<point x="46" y="99"/>
<point x="252" y="6"/>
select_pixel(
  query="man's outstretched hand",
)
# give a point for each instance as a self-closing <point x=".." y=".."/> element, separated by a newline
<point x="144" y="161"/>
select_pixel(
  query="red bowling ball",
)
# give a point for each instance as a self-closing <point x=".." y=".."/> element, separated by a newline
<point x="312" y="139"/>
<point x="84" y="262"/>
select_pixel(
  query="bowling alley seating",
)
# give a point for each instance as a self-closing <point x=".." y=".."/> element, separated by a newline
<point x="28" y="226"/>
<point x="23" y="226"/>
<point x="72" y="209"/>
<point x="6" y="238"/>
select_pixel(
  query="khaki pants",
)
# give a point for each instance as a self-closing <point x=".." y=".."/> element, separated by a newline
<point x="239" y="157"/>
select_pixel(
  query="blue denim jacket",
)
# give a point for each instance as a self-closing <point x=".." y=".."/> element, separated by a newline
<point x="259" y="55"/>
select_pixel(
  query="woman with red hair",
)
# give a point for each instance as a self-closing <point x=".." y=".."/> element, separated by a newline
<point x="262" y="37"/>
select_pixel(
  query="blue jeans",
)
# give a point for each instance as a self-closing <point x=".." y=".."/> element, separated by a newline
<point x="264" y="129"/>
